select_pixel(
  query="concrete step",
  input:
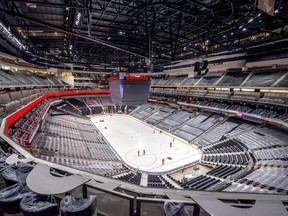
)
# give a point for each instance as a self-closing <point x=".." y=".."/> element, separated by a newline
<point x="172" y="182"/>
<point x="144" y="180"/>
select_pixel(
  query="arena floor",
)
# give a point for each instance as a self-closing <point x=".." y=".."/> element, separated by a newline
<point x="128" y="135"/>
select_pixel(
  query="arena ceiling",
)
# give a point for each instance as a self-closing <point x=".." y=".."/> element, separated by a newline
<point x="130" y="32"/>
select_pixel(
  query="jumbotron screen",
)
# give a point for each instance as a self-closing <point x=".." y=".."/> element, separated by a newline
<point x="129" y="90"/>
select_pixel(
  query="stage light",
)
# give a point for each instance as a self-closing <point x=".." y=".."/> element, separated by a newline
<point x="78" y="17"/>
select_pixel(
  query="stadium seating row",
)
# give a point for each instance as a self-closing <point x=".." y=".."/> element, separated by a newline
<point x="272" y="98"/>
<point x="9" y="78"/>
<point x="256" y="79"/>
<point x="74" y="141"/>
<point x="225" y="145"/>
<point x="23" y="130"/>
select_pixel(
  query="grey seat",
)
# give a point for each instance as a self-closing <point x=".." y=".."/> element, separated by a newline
<point x="36" y="205"/>
<point x="10" y="198"/>
<point x="71" y="206"/>
<point x="175" y="209"/>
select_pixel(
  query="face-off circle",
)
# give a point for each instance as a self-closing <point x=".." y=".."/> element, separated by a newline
<point x="175" y="149"/>
<point x="142" y="160"/>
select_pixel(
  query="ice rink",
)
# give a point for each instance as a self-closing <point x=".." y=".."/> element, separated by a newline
<point x="128" y="135"/>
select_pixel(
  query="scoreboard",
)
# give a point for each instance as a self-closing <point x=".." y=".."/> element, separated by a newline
<point x="129" y="90"/>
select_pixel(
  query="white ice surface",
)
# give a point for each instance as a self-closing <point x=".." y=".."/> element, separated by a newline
<point x="128" y="135"/>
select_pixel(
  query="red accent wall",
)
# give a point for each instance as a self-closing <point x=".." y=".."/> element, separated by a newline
<point x="21" y="112"/>
<point x="145" y="78"/>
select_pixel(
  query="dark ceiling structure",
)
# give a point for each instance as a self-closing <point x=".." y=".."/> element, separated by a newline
<point x="130" y="33"/>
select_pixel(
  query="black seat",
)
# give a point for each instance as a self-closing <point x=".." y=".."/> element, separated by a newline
<point x="3" y="161"/>
<point x="10" y="198"/>
<point x="36" y="205"/>
<point x="71" y="206"/>
<point x="175" y="209"/>
<point x="16" y="174"/>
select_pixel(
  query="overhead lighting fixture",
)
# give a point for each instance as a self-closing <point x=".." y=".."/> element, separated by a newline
<point x="35" y="31"/>
<point x="7" y="34"/>
<point x="259" y="15"/>
<point x="31" y="5"/>
<point x="78" y="17"/>
<point x="70" y="47"/>
<point x="244" y="29"/>
<point x="251" y="20"/>
<point x="276" y="11"/>
<point x="121" y="33"/>
<point x="267" y="34"/>
<point x="232" y="33"/>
